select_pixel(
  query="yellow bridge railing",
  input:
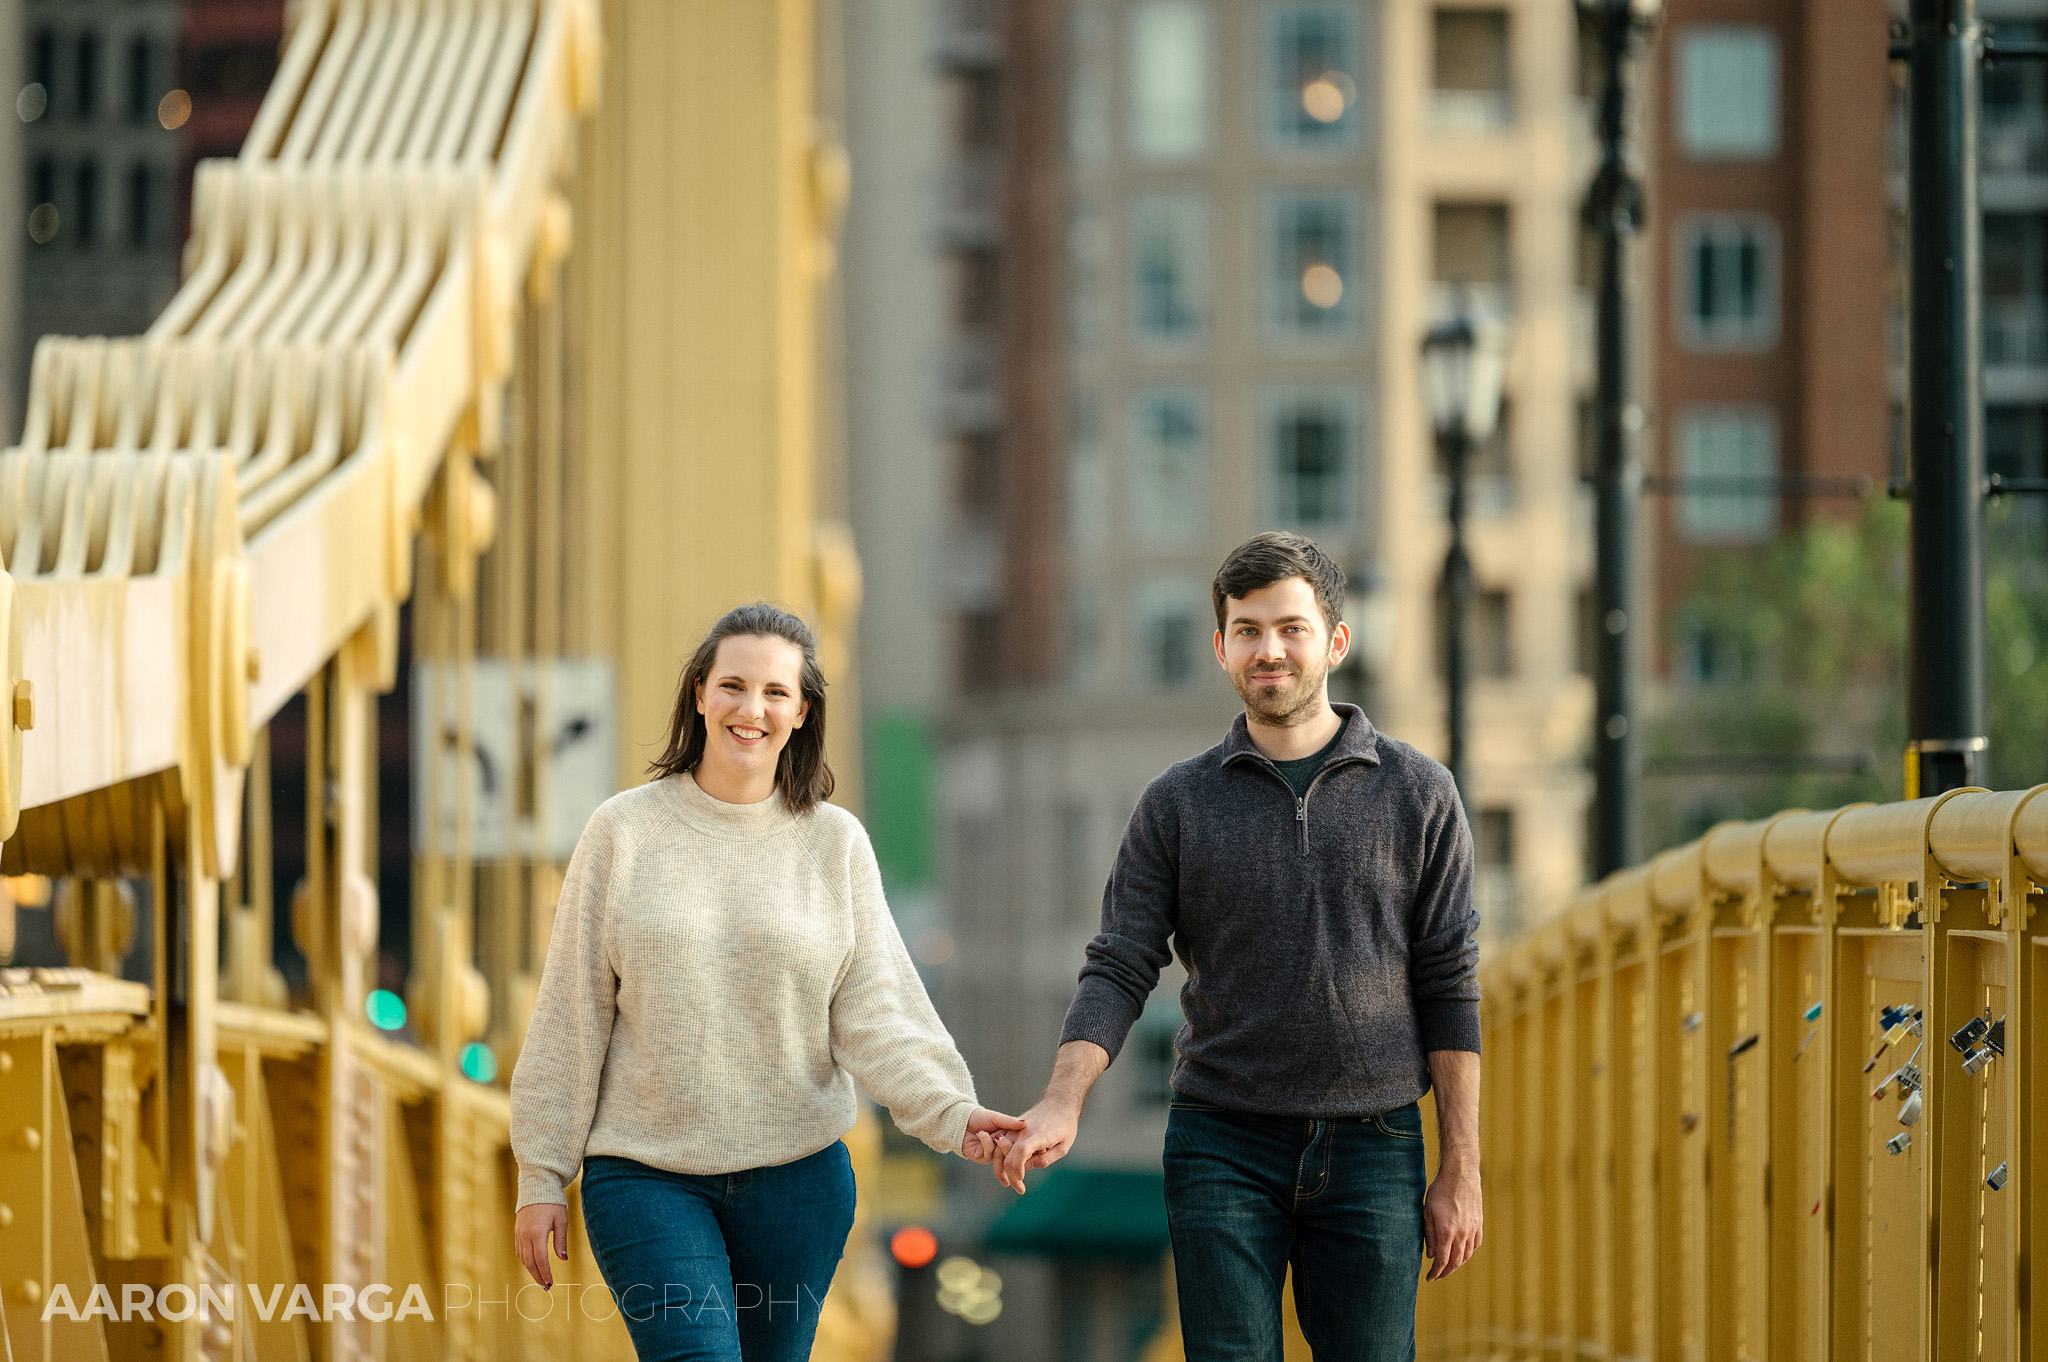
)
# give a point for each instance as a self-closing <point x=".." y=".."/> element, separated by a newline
<point x="1774" y="1095"/>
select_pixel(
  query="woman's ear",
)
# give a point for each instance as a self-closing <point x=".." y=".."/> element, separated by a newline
<point x="700" y="695"/>
<point x="803" y="712"/>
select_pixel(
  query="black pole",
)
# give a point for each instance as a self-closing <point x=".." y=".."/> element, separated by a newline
<point x="1457" y="611"/>
<point x="1946" y="731"/>
<point x="1614" y="210"/>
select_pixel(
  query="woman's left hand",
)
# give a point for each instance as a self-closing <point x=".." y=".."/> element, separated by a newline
<point x="983" y="1128"/>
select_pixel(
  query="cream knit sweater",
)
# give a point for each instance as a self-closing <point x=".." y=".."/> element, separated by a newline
<point x="719" y="977"/>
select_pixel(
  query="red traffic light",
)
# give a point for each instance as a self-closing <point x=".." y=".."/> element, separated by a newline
<point x="914" y="1246"/>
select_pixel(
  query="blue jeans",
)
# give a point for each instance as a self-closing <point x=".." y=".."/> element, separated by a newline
<point x="1340" y="1200"/>
<point x="728" y="1267"/>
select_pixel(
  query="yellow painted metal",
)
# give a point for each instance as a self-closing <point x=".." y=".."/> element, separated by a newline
<point x="1735" y="1196"/>
<point x="386" y="377"/>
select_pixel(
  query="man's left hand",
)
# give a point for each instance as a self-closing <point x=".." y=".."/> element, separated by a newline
<point x="1452" y="1221"/>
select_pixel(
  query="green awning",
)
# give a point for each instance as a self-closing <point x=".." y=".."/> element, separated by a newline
<point x="1086" y="1213"/>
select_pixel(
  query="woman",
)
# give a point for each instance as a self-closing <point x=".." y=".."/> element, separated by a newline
<point x="723" y="968"/>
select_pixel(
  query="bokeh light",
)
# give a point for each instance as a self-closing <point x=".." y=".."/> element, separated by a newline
<point x="173" y="109"/>
<point x="1322" y="286"/>
<point x="385" y="1009"/>
<point x="914" y="1246"/>
<point x="42" y="223"/>
<point x="479" y="1062"/>
<point x="31" y="102"/>
<point x="933" y="946"/>
<point x="1327" y="96"/>
<point x="969" y="1290"/>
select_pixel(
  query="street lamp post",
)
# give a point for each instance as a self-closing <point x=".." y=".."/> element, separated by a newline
<point x="1614" y="209"/>
<point x="1462" y="365"/>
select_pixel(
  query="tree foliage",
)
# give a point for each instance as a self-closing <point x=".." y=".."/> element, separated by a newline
<point x="1789" y="671"/>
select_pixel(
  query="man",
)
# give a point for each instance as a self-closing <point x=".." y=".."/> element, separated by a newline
<point x="1314" y="877"/>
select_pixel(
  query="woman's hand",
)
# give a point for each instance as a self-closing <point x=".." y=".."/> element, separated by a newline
<point x="530" y="1238"/>
<point x="983" y="1129"/>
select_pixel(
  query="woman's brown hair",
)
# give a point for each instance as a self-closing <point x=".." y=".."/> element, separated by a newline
<point x="801" y="773"/>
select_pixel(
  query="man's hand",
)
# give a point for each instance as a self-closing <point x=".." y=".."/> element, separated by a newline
<point x="1047" y="1136"/>
<point x="984" y="1127"/>
<point x="1453" y="1222"/>
<point x="530" y="1233"/>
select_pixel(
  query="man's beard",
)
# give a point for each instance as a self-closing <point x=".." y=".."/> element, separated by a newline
<point x="1291" y="702"/>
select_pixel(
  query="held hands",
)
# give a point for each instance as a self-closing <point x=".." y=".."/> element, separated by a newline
<point x="530" y="1234"/>
<point x="1046" y="1137"/>
<point x="985" y="1129"/>
<point x="1452" y="1221"/>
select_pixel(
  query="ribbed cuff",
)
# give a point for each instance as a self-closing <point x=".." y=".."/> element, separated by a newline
<point x="1447" y="1024"/>
<point x="952" y="1127"/>
<point x="538" y="1186"/>
<point x="1101" y="1014"/>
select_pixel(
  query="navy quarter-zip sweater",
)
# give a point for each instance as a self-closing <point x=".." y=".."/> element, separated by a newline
<point x="1328" y="940"/>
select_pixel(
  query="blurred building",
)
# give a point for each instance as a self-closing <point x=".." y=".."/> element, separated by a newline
<point x="1129" y="281"/>
<point x="1772" y="235"/>
<point x="118" y="99"/>
<point x="102" y="153"/>
<point x="13" y="218"/>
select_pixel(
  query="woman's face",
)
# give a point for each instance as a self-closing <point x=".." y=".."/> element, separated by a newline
<point x="751" y="702"/>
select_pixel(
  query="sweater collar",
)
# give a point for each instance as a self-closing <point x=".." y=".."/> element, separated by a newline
<point x="716" y="818"/>
<point x="1359" y="741"/>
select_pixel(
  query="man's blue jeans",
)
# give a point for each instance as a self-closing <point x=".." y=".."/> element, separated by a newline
<point x="1339" y="1200"/>
<point x="729" y="1267"/>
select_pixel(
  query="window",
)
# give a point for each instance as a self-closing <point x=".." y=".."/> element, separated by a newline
<point x="1169" y="255"/>
<point x="1169" y="80"/>
<point x="1493" y="656"/>
<point x="1087" y="477"/>
<point x="1710" y="652"/>
<point x="141" y="101"/>
<point x="1309" y="274"/>
<point x="1728" y="92"/>
<point x="43" y="60"/>
<point x="1730" y="268"/>
<point x="85" y="212"/>
<point x="42" y="182"/>
<point x="1311" y="75"/>
<point x="1489" y="643"/>
<point x="1472" y="92"/>
<point x="1493" y="879"/>
<point x="1087" y="260"/>
<point x="1085" y="649"/>
<point x="1311" y="434"/>
<point x="86" y="93"/>
<point x="1169" y="465"/>
<point x="979" y="642"/>
<point x="1472" y="258"/>
<point x="1728" y="463"/>
<point x="1157" y="1027"/>
<point x="142" y="214"/>
<point x="1084" y="874"/>
<point x="1088" y="124"/>
<point x="1169" y="630"/>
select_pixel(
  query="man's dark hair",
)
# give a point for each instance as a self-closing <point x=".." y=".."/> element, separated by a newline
<point x="1273" y="557"/>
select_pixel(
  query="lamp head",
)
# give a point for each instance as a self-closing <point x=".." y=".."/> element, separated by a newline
<point x="1463" y="366"/>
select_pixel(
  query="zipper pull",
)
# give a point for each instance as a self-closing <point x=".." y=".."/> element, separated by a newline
<point x="1301" y="810"/>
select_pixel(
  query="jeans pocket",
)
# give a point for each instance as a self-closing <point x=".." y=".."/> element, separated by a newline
<point x="1393" y="1123"/>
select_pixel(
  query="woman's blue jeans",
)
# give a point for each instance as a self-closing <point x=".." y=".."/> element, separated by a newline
<point x="1340" y="1201"/>
<point x="728" y="1267"/>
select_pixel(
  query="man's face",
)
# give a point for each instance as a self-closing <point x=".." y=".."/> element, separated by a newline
<point x="1279" y="651"/>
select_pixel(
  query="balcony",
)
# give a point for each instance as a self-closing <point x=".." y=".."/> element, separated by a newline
<point x="1471" y="111"/>
<point x="1490" y="300"/>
